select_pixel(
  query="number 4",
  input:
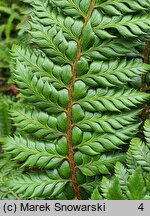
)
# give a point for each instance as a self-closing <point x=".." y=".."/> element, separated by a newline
<point x="141" y="207"/>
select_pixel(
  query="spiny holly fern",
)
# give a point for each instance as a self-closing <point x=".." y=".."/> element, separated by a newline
<point x="76" y="113"/>
<point x="132" y="181"/>
<point x="139" y="151"/>
<point x="124" y="186"/>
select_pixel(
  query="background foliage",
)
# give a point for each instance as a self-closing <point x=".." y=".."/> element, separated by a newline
<point x="10" y="16"/>
<point x="12" y="26"/>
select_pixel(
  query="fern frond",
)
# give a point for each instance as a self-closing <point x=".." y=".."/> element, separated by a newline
<point x="47" y="15"/>
<point x="42" y="66"/>
<point x="96" y="195"/>
<point x="39" y="91"/>
<point x="147" y="132"/>
<point x="74" y="8"/>
<point x="138" y="192"/>
<point x="105" y="185"/>
<point x="141" y="153"/>
<point x="127" y="26"/>
<point x="100" y="164"/>
<point x="115" y="192"/>
<point x="39" y="123"/>
<point x="106" y="123"/>
<point x="111" y="49"/>
<point x="111" y="99"/>
<point x="122" y="174"/>
<point x="112" y="73"/>
<point x="53" y="43"/>
<point x="75" y="115"/>
<point x="8" y="169"/>
<point x="131" y="162"/>
<point x="38" y="185"/>
<point x="119" y="7"/>
<point x="136" y="187"/>
<point x="34" y="154"/>
<point x="93" y="144"/>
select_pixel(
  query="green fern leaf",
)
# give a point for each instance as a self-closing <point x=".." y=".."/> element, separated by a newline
<point x="105" y="185"/>
<point x="136" y="186"/>
<point x="43" y="67"/>
<point x="38" y="185"/>
<point x="75" y="115"/>
<point x="141" y="153"/>
<point x="106" y="123"/>
<point x="100" y="164"/>
<point x="75" y="8"/>
<point x="119" y="7"/>
<point x="8" y="169"/>
<point x="114" y="192"/>
<point x="92" y="144"/>
<point x="147" y="132"/>
<point x="131" y="162"/>
<point x="96" y="195"/>
<point x="127" y="26"/>
<point x="103" y="73"/>
<point x="110" y="49"/>
<point x="39" y="123"/>
<point x="39" y="91"/>
<point x="49" y="16"/>
<point x="40" y="155"/>
<point x="122" y="174"/>
<point x="55" y="42"/>
<point x="111" y="100"/>
<point x="148" y="182"/>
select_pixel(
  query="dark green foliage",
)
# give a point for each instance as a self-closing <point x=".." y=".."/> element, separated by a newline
<point x="10" y="16"/>
<point x="76" y="111"/>
<point x="12" y="19"/>
<point x="5" y="122"/>
<point x="9" y="19"/>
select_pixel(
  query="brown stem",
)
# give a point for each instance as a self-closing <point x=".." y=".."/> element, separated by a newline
<point x="146" y="57"/>
<point x="69" y="108"/>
